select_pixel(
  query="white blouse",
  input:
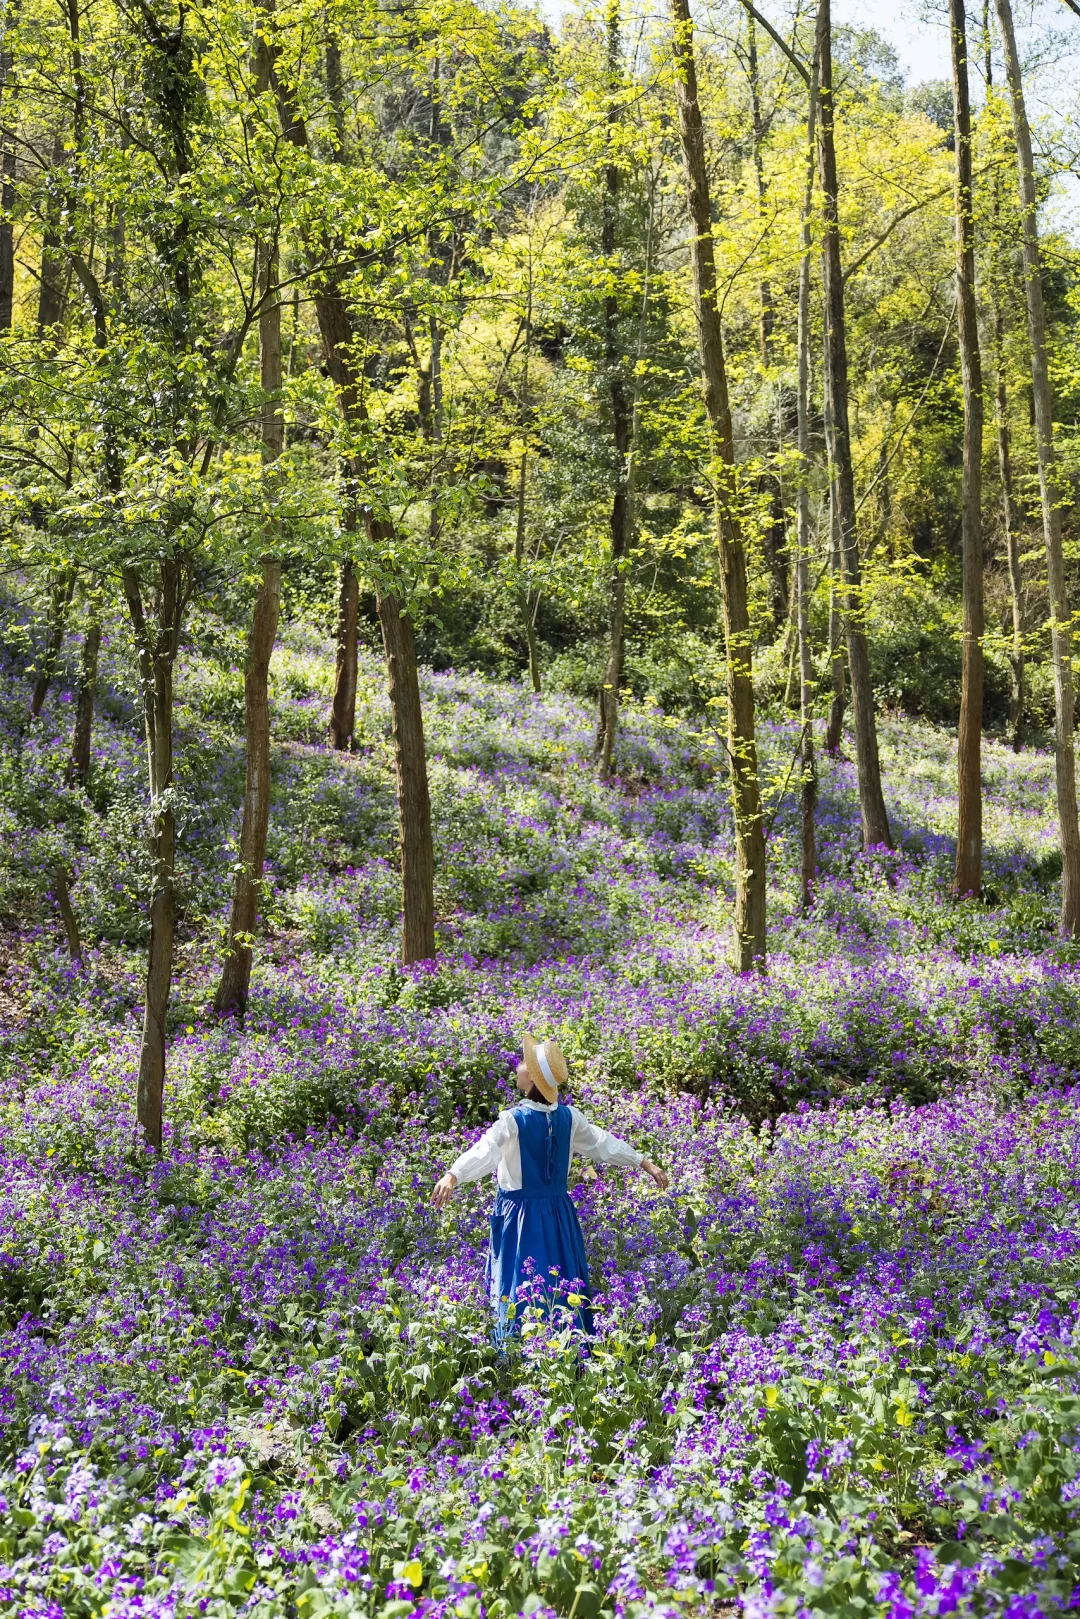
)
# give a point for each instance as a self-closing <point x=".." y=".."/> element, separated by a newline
<point x="498" y="1149"/>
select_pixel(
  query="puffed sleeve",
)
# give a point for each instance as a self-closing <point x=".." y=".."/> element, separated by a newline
<point x="601" y="1146"/>
<point x="482" y="1158"/>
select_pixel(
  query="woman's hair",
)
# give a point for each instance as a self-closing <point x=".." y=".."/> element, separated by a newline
<point x="535" y="1095"/>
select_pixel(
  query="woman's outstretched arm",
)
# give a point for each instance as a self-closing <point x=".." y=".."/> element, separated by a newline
<point x="589" y="1141"/>
<point x="481" y="1159"/>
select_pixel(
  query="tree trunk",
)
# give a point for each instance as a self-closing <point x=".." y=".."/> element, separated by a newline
<point x="67" y="914"/>
<point x="1012" y="546"/>
<point x="1050" y="491"/>
<point x="742" y="745"/>
<point x="834" y="733"/>
<point x="233" y="987"/>
<point x="526" y="597"/>
<point x="765" y="302"/>
<point x="875" y="820"/>
<point x="776" y="549"/>
<point x="60" y="595"/>
<point x="967" y="878"/>
<point x="621" y="513"/>
<point x="343" y="708"/>
<point x="232" y="991"/>
<point x="808" y="794"/>
<point x="157" y="645"/>
<point x="528" y="600"/>
<point x="414" y="803"/>
<point x="1001" y="422"/>
<point x="82" y="735"/>
<point x="7" y="181"/>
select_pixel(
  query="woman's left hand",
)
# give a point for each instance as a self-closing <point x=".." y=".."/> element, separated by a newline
<point x="444" y="1190"/>
<point x="657" y="1174"/>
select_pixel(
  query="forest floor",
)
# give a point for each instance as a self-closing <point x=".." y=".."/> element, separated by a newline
<point x="836" y="1364"/>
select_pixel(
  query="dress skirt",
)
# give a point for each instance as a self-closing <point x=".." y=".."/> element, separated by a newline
<point x="543" y="1229"/>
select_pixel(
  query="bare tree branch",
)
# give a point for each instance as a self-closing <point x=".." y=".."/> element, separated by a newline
<point x="781" y="42"/>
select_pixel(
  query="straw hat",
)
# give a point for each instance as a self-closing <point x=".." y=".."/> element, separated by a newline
<point x="546" y="1065"/>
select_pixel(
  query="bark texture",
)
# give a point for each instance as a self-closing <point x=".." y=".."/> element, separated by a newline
<point x="414" y="803"/>
<point x="875" y="820"/>
<point x="7" y="181"/>
<point x="775" y="536"/>
<point x="808" y="793"/>
<point x="1050" y="491"/>
<point x="527" y="600"/>
<point x="834" y="732"/>
<point x="343" y="706"/>
<point x="157" y="638"/>
<point x="67" y="915"/>
<point x="235" y="981"/>
<point x="83" y="732"/>
<point x="1017" y="693"/>
<point x="742" y="744"/>
<point x="158" y="591"/>
<point x="622" y="517"/>
<point x="967" y="878"/>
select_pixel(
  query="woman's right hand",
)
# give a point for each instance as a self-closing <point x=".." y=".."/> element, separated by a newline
<point x="444" y="1190"/>
<point x="657" y="1174"/>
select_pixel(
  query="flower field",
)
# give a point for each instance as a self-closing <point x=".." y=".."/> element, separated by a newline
<point x="835" y="1369"/>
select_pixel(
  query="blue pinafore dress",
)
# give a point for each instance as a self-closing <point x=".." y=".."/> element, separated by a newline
<point x="539" y="1223"/>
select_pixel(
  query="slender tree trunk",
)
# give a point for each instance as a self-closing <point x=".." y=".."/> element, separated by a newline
<point x="808" y="794"/>
<point x="82" y="735"/>
<point x="343" y="708"/>
<point x="406" y="717"/>
<point x="1001" y="424"/>
<point x="765" y="301"/>
<point x="414" y="803"/>
<point x="621" y="513"/>
<point x="343" y="704"/>
<point x="1012" y="545"/>
<point x="67" y="914"/>
<point x="60" y="595"/>
<point x="776" y="550"/>
<point x="790" y="650"/>
<point x="875" y="820"/>
<point x="233" y="987"/>
<point x="967" y="878"/>
<point x="7" y="180"/>
<point x="235" y="981"/>
<point x="1050" y="491"/>
<point x="169" y="580"/>
<point x="157" y="642"/>
<point x="526" y="601"/>
<point x="742" y="745"/>
<point x="834" y="730"/>
<point x="834" y="733"/>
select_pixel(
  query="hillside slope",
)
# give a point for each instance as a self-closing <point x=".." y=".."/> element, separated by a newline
<point x="259" y="1374"/>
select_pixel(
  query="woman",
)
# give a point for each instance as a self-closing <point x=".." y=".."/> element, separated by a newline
<point x="529" y="1149"/>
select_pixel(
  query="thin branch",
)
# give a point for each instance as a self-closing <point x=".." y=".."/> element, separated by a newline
<point x="780" y="41"/>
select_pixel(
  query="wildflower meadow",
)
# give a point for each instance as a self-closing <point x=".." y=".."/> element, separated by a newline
<point x="834" y="1370"/>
